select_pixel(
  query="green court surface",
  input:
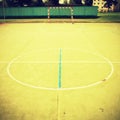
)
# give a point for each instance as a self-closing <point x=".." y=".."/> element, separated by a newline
<point x="59" y="71"/>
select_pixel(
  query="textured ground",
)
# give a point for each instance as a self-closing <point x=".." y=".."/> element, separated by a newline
<point x="40" y="47"/>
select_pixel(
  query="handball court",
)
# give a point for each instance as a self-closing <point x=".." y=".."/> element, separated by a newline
<point x="59" y="71"/>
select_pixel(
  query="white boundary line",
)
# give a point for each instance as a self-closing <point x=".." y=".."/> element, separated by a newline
<point x="69" y="62"/>
<point x="72" y="88"/>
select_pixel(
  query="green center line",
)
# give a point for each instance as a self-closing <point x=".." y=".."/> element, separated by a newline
<point x="60" y="69"/>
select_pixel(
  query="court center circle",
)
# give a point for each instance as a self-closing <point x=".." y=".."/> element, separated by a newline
<point x="57" y="62"/>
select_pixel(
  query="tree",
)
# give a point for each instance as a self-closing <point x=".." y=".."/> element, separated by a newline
<point x="78" y="2"/>
<point x="52" y="2"/>
<point x="36" y="3"/>
<point x="56" y="2"/>
<point x="88" y="2"/>
<point x="109" y="3"/>
<point x="3" y="3"/>
<point x="24" y="2"/>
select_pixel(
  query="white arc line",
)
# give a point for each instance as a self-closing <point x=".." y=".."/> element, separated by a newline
<point x="40" y="62"/>
<point x="72" y="88"/>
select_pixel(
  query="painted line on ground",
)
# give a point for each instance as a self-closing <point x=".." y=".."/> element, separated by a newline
<point x="60" y="69"/>
<point x="72" y="88"/>
<point x="72" y="62"/>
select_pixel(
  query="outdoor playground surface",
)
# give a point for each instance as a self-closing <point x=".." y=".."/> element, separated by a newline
<point x="59" y="71"/>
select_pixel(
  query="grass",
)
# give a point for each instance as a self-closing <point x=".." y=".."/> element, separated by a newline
<point x="109" y="17"/>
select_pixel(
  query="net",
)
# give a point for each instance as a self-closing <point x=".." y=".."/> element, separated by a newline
<point x="15" y="9"/>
